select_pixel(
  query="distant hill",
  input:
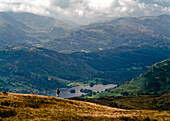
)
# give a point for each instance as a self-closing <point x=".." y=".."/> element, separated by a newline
<point x="127" y="31"/>
<point x="50" y="33"/>
<point x="29" y="29"/>
<point x="41" y="25"/>
<point x="24" y="107"/>
<point x="40" y="71"/>
<point x="155" y="81"/>
<point x="12" y="31"/>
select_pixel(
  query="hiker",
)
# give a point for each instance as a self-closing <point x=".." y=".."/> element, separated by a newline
<point x="58" y="91"/>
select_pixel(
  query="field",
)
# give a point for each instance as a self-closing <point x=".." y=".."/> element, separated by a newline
<point x="17" y="107"/>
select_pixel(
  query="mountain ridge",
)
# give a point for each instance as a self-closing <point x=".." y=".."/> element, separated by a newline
<point x="118" y="32"/>
<point x="30" y="28"/>
<point x="40" y="31"/>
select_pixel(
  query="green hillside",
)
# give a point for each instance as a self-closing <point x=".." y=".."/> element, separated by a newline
<point x="155" y="81"/>
<point x="37" y="70"/>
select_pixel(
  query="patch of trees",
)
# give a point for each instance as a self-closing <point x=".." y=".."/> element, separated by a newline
<point x="72" y="91"/>
<point x="88" y="92"/>
<point x="85" y="90"/>
<point x="91" y="84"/>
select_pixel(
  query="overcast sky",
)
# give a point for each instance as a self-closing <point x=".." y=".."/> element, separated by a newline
<point x="87" y="11"/>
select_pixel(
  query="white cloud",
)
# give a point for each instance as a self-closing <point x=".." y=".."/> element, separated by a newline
<point x="84" y="11"/>
<point x="33" y="6"/>
<point x="79" y="12"/>
<point x="100" y="4"/>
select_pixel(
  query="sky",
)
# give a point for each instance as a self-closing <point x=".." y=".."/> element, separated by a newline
<point x="88" y="11"/>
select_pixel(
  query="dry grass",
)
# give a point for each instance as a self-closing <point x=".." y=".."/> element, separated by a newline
<point x="137" y="102"/>
<point x="18" y="107"/>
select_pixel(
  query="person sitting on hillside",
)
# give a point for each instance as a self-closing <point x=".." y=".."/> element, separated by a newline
<point x="58" y="92"/>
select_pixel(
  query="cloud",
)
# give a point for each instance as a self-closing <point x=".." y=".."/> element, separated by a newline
<point x="100" y="4"/>
<point x="61" y="3"/>
<point x="162" y="1"/>
<point x="85" y="11"/>
<point x="33" y="6"/>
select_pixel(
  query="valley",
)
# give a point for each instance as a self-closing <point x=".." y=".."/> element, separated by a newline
<point x="84" y="60"/>
<point x="40" y="53"/>
<point x="41" y="71"/>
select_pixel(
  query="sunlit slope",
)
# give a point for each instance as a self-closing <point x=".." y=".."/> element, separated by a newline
<point x="33" y="107"/>
<point x="138" y="102"/>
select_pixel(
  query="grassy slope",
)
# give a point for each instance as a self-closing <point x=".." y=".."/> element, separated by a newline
<point x="142" y="102"/>
<point x="33" y="107"/>
<point x="154" y="81"/>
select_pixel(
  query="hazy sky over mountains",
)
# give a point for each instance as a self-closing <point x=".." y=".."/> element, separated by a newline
<point x="87" y="11"/>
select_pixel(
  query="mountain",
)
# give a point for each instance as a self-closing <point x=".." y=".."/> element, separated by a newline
<point x="24" y="107"/>
<point x="50" y="33"/>
<point x="12" y="31"/>
<point x="29" y="29"/>
<point x="155" y="81"/>
<point x="123" y="63"/>
<point x="111" y="52"/>
<point x="41" y="24"/>
<point x="127" y="31"/>
<point x="40" y="71"/>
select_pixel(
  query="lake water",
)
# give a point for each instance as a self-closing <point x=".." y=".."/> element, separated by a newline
<point x="65" y="93"/>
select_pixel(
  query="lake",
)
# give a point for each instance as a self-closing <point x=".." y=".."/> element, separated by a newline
<point x="65" y="93"/>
